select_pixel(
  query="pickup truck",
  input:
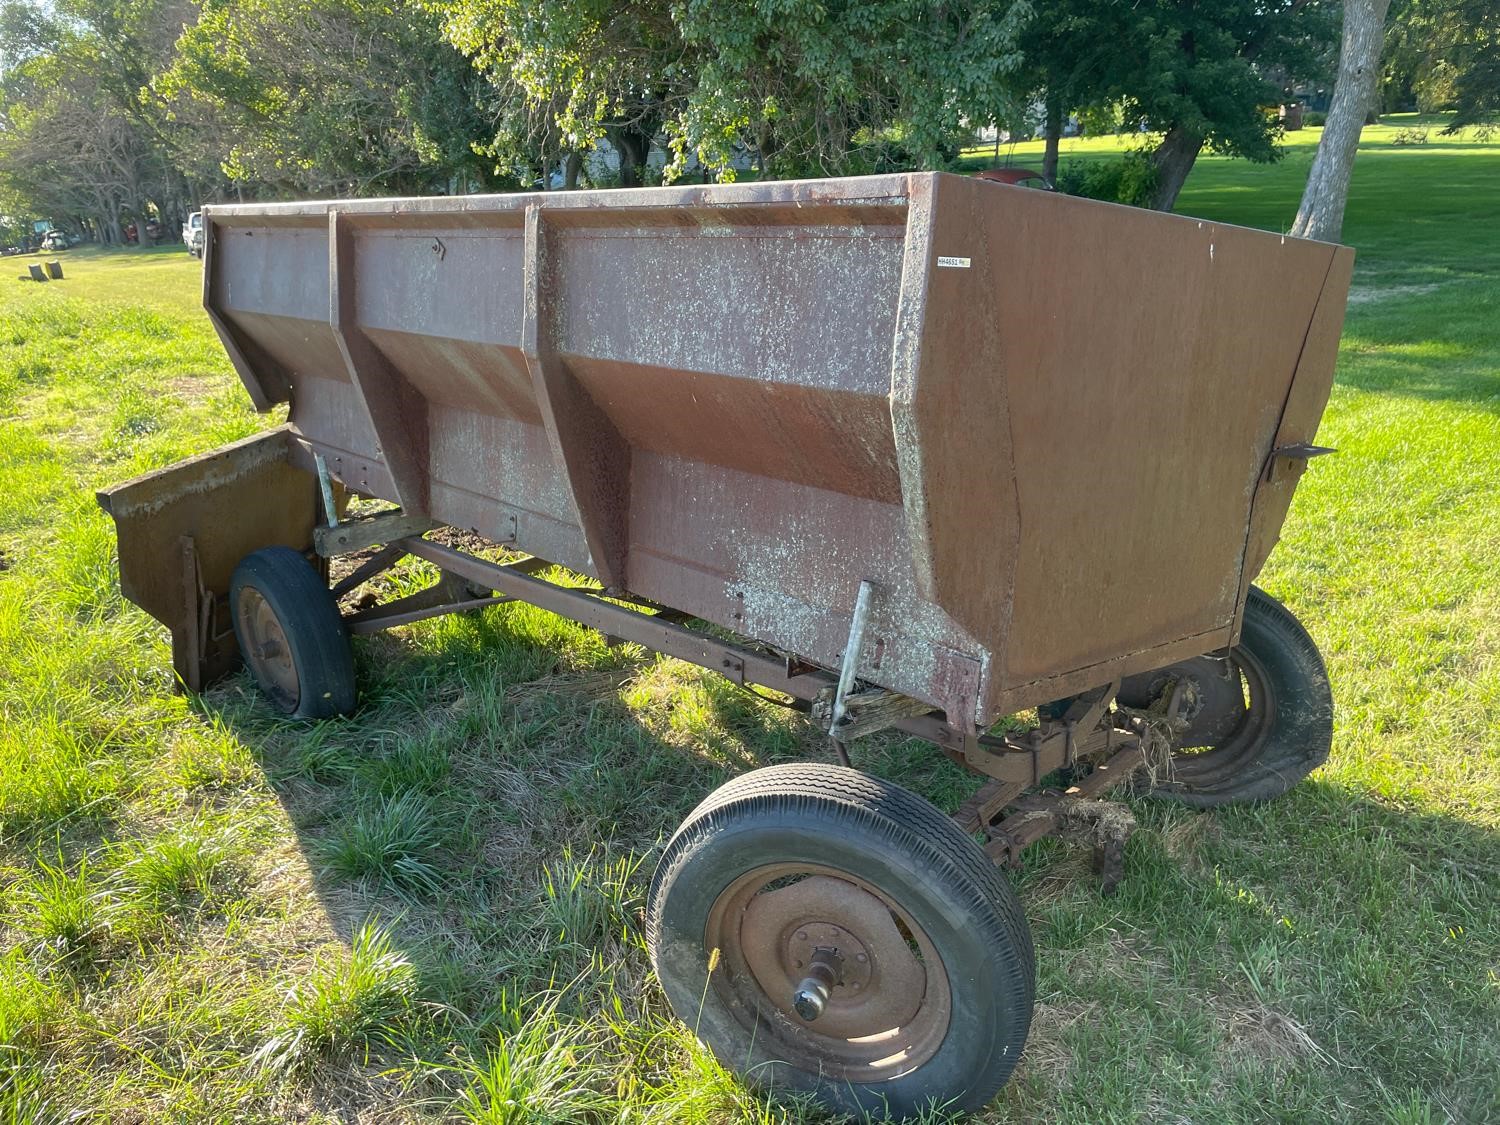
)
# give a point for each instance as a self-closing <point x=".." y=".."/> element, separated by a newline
<point x="192" y="234"/>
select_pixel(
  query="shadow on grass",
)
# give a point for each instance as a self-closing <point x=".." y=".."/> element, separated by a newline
<point x="1428" y="378"/>
<point x="500" y="799"/>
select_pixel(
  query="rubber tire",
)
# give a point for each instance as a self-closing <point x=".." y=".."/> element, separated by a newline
<point x="315" y="633"/>
<point x="840" y="818"/>
<point x="1301" y="734"/>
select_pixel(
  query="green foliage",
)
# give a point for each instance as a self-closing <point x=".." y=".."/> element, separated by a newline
<point x="1197" y="75"/>
<point x="344" y="97"/>
<point x="810" y="87"/>
<point x="1131" y="179"/>
<point x="831" y="87"/>
<point x="348" y="1001"/>
<point x="1206" y="69"/>
<point x="1444" y="55"/>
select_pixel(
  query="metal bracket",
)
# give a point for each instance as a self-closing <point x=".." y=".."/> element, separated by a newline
<point x="852" y="648"/>
<point x="325" y="490"/>
<point x="1298" y="451"/>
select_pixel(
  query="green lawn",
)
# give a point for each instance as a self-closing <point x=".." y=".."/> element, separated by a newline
<point x="431" y="911"/>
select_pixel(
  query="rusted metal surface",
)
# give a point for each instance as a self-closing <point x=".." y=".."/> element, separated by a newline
<point x="182" y="530"/>
<point x="1040" y="426"/>
<point x="1305" y="401"/>
<point x="1078" y="813"/>
<point x="266" y="649"/>
<point x="830" y="969"/>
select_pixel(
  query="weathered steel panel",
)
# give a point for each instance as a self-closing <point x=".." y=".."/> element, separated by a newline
<point x="1299" y="420"/>
<point x="1147" y="359"/>
<point x="182" y="530"/>
<point x="1037" y="425"/>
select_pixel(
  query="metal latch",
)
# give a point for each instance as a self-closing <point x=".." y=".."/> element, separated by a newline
<point x="1298" y="451"/>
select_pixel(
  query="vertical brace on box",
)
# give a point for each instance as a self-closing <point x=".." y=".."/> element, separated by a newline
<point x="261" y="396"/>
<point x="594" y="458"/>
<point x="187" y="651"/>
<point x="397" y="413"/>
<point x="325" y="491"/>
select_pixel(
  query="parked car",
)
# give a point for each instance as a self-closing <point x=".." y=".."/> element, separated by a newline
<point x="192" y="234"/>
<point x="1023" y="177"/>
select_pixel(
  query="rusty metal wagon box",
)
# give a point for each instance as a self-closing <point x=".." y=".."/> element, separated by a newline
<point x="916" y="451"/>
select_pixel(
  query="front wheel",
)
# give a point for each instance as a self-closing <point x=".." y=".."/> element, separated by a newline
<point x="1262" y="719"/>
<point x="291" y="635"/>
<point x="825" y="931"/>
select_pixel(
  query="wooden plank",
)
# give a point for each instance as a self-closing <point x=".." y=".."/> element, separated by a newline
<point x="356" y="535"/>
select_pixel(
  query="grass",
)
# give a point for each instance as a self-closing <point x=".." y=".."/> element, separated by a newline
<point x="431" y="912"/>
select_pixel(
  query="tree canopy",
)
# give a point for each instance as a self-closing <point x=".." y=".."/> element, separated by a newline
<point x="1445" y="54"/>
<point x="116" y="110"/>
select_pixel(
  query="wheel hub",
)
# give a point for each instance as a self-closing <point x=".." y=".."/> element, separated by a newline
<point x="266" y="649"/>
<point x="822" y="962"/>
<point x="853" y="957"/>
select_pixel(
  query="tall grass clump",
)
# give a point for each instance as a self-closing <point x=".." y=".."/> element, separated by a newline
<point x="541" y="1067"/>
<point x="350" y="1001"/>
<point x="395" y="841"/>
<point x="67" y="913"/>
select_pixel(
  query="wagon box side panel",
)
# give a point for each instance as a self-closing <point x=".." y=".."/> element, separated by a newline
<point x="268" y="284"/>
<point x="1147" y="360"/>
<point x="183" y="529"/>
<point x="1299" y="421"/>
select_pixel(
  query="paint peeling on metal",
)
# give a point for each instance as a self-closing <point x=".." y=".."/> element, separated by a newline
<point x="1044" y="461"/>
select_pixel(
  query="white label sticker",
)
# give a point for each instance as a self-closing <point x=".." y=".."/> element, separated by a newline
<point x="953" y="263"/>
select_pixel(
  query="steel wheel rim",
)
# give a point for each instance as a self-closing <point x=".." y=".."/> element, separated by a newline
<point x="892" y="1007"/>
<point x="1242" y="743"/>
<point x="266" y="650"/>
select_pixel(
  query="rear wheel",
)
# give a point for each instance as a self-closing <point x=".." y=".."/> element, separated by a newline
<point x="828" y="932"/>
<point x="1261" y="720"/>
<point x="291" y="635"/>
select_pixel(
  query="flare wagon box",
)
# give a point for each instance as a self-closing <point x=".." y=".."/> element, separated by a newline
<point x="932" y="450"/>
<point x="1058" y="436"/>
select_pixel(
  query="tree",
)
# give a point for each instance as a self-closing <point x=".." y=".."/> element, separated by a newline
<point x="1199" y="74"/>
<point x="565" y="74"/>
<point x="842" y="87"/>
<point x="1476" y="57"/>
<point x="832" y="87"/>
<point x="1196" y="75"/>
<point x="1446" y="55"/>
<point x="1321" y="214"/>
<point x="329" y="97"/>
<point x="70" y="147"/>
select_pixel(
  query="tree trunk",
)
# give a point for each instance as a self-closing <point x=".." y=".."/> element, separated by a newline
<point x="1321" y="215"/>
<point x="1173" y="160"/>
<point x="635" y="149"/>
<point x="1052" y="131"/>
<point x="572" y="163"/>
